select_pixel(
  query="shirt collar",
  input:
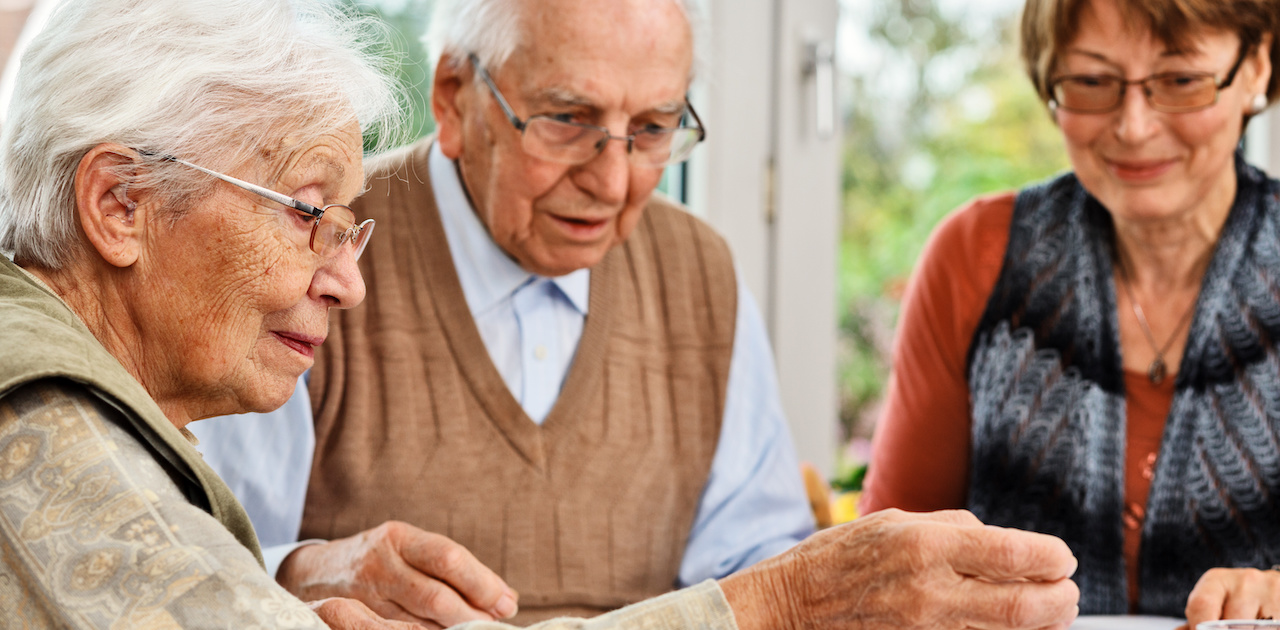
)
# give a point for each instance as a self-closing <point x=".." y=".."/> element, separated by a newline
<point x="488" y="275"/>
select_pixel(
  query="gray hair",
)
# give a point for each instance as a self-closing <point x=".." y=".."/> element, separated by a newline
<point x="222" y="83"/>
<point x="492" y="30"/>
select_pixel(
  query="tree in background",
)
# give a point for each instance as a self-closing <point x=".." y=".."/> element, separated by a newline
<point x="940" y="113"/>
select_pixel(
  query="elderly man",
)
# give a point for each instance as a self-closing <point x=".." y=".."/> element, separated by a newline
<point x="559" y="371"/>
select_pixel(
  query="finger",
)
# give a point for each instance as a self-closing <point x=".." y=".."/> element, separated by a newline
<point x="389" y="610"/>
<point x="1005" y="605"/>
<point x="1242" y="603"/>
<point x="426" y="598"/>
<point x="1000" y="554"/>
<point x="348" y="614"/>
<point x="1206" y="600"/>
<point x="451" y="563"/>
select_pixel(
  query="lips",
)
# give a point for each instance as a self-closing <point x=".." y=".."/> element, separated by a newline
<point x="581" y="228"/>
<point x="1139" y="170"/>
<point x="300" y="343"/>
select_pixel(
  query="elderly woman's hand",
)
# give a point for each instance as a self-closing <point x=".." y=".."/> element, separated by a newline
<point x="348" y="614"/>
<point x="401" y="572"/>
<point x="898" y="570"/>
<point x="1234" y="594"/>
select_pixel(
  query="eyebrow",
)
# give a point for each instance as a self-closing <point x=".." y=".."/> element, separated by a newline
<point x="1103" y="58"/>
<point x="560" y="97"/>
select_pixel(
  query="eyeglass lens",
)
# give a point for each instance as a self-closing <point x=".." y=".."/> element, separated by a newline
<point x="1172" y="92"/>
<point x="561" y="141"/>
<point x="336" y="227"/>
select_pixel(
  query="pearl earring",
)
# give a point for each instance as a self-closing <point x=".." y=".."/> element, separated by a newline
<point x="1258" y="104"/>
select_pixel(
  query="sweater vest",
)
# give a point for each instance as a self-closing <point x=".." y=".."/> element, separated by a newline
<point x="40" y="338"/>
<point x="1047" y="389"/>
<point x="589" y="511"/>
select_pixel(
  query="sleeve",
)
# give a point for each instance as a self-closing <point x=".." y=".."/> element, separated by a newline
<point x="754" y="505"/>
<point x="920" y="453"/>
<point x="703" y="607"/>
<point x="96" y="535"/>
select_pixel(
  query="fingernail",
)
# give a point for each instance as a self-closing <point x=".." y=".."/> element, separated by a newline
<point x="1075" y="565"/>
<point x="506" y="607"/>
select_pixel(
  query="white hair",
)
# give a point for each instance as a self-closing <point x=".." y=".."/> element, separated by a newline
<point x="218" y="82"/>
<point x="493" y="29"/>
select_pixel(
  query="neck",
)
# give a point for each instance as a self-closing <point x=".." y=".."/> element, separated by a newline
<point x="95" y="299"/>
<point x="1170" y="254"/>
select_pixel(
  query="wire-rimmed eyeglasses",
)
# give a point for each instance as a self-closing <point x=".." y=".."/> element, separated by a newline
<point x="332" y="225"/>
<point x="1169" y="92"/>
<point x="548" y="138"/>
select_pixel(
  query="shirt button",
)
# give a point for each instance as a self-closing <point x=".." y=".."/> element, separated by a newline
<point x="540" y="353"/>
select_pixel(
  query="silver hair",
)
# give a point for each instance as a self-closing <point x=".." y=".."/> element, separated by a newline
<point x="491" y="29"/>
<point x="223" y="83"/>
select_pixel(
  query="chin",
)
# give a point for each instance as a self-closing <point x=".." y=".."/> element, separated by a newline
<point x="270" y="392"/>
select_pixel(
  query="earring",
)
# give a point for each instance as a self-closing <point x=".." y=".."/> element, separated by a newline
<point x="1258" y="104"/>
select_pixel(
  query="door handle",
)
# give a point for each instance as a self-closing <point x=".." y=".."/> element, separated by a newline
<point x="819" y="66"/>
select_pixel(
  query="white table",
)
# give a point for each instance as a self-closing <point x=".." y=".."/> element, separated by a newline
<point x="1103" y="622"/>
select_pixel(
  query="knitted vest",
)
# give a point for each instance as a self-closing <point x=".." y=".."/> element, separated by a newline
<point x="1048" y="401"/>
<point x="586" y="513"/>
<point x="40" y="339"/>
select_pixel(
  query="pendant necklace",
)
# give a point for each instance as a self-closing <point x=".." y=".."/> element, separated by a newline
<point x="1158" y="369"/>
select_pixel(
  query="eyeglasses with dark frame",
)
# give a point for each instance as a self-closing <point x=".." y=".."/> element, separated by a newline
<point x="333" y="225"/>
<point x="567" y="142"/>
<point x="1168" y="92"/>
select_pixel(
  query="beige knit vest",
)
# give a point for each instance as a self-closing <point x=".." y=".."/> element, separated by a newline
<point x="586" y="513"/>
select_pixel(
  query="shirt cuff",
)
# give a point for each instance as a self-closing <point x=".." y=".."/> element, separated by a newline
<point x="273" y="557"/>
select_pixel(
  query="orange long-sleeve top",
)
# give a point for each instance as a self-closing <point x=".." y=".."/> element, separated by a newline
<point x="920" y="453"/>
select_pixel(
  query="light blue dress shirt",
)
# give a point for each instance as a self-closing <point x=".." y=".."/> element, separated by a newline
<point x="753" y="506"/>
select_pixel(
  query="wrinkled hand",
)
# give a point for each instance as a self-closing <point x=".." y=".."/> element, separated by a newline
<point x="401" y="573"/>
<point x="348" y="614"/>
<point x="897" y="570"/>
<point x="1234" y="594"/>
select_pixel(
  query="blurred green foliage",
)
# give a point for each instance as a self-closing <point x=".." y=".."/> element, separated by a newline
<point x="407" y="20"/>
<point x="982" y="132"/>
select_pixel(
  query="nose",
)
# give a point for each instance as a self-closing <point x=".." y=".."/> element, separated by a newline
<point x="607" y="176"/>
<point x="1137" y="120"/>
<point x="338" y="282"/>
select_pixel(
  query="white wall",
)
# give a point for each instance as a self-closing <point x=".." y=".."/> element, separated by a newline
<point x="770" y="183"/>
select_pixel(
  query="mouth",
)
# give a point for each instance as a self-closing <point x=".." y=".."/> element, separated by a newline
<point x="302" y="344"/>
<point x="1139" y="170"/>
<point x="581" y="228"/>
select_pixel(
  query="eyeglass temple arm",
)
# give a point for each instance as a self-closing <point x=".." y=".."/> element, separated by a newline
<point x="281" y="199"/>
<point x="502" y="101"/>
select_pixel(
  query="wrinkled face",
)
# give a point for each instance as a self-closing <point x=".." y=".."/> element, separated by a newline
<point x="622" y="64"/>
<point x="233" y="299"/>
<point x="1140" y="163"/>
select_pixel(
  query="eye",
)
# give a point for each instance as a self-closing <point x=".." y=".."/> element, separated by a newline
<point x="564" y="117"/>
<point x="1092" y="81"/>
<point x="304" y="218"/>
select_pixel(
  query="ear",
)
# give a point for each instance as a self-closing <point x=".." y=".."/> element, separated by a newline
<point x="113" y="223"/>
<point x="447" y="96"/>
<point x="1262" y="66"/>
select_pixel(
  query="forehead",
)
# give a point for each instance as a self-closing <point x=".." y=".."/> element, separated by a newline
<point x="632" y="50"/>
<point x="1149" y="26"/>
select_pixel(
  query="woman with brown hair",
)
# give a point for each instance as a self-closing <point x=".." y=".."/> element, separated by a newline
<point x="1104" y="364"/>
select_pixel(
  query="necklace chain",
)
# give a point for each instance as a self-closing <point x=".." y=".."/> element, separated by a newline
<point x="1158" y="369"/>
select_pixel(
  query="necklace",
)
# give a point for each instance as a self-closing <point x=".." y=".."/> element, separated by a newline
<point x="1158" y="369"/>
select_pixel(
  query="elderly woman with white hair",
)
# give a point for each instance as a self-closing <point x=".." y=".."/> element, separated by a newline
<point x="174" y="175"/>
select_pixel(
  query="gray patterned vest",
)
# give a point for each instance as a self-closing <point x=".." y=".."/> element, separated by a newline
<point x="1048" y="401"/>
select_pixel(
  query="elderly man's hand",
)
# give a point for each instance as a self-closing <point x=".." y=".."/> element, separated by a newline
<point x="402" y="573"/>
<point x="897" y="570"/>
<point x="1234" y="594"/>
